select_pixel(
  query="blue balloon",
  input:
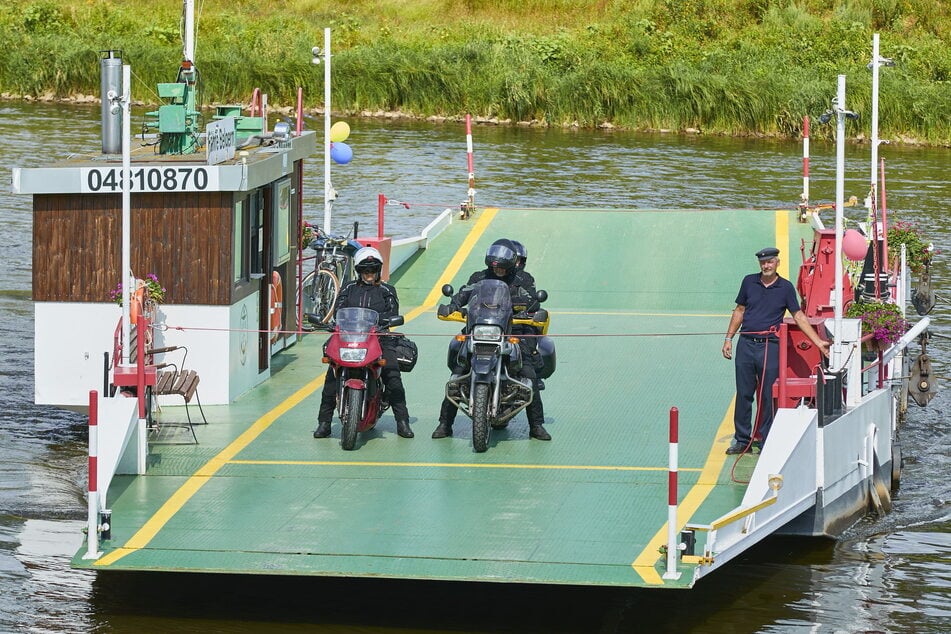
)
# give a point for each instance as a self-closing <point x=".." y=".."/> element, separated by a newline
<point x="341" y="153"/>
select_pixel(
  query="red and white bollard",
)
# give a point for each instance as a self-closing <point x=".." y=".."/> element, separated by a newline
<point x="673" y="548"/>
<point x="469" y="205"/>
<point x="805" y="160"/>
<point x="92" y="516"/>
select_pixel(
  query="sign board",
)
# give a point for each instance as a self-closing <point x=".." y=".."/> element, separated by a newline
<point x="220" y="140"/>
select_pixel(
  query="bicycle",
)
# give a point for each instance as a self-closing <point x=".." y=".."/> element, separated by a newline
<point x="333" y="267"/>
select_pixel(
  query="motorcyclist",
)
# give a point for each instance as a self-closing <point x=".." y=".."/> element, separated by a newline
<point x="531" y="343"/>
<point x="521" y="257"/>
<point x="369" y="291"/>
<point x="500" y="261"/>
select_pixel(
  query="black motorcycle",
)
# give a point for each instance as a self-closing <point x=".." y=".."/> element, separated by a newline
<point x="485" y="358"/>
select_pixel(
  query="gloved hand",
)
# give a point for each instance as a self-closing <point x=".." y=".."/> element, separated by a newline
<point x="446" y="309"/>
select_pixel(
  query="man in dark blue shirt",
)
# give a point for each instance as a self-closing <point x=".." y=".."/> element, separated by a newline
<point x="762" y="302"/>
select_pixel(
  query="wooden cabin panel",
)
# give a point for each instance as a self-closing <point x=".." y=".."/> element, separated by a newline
<point x="80" y="239"/>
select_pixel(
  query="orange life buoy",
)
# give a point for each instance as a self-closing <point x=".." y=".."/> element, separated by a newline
<point x="277" y="296"/>
<point x="135" y="306"/>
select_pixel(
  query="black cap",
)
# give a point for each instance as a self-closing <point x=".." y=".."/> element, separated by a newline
<point x="767" y="253"/>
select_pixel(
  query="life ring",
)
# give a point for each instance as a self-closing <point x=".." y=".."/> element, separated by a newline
<point x="277" y="295"/>
<point x="136" y="305"/>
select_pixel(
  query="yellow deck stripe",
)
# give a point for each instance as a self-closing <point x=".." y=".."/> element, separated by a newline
<point x="451" y="465"/>
<point x="196" y="481"/>
<point x="782" y="242"/>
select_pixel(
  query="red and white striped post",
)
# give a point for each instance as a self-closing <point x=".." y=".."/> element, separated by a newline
<point x="380" y="206"/>
<point x="805" y="160"/>
<point x="470" y="200"/>
<point x="672" y="545"/>
<point x="92" y="515"/>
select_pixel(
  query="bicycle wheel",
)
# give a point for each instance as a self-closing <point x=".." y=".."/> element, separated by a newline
<point x="320" y="294"/>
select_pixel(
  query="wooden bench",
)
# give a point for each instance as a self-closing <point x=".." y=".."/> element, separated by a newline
<point x="171" y="380"/>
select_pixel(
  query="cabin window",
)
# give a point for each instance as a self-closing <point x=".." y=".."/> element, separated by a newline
<point x="282" y="221"/>
<point x="238" y="250"/>
<point x="256" y="234"/>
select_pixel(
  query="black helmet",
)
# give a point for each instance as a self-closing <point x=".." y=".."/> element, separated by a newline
<point x="521" y="254"/>
<point x="501" y="254"/>
<point x="368" y="260"/>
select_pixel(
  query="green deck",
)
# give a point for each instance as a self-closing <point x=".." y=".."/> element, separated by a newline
<point x="639" y="302"/>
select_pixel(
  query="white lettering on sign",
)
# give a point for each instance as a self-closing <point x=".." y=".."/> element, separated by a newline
<point x="108" y="180"/>
<point x="220" y="141"/>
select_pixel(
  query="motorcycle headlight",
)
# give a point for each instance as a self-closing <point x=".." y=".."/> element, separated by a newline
<point x="353" y="355"/>
<point x="486" y="333"/>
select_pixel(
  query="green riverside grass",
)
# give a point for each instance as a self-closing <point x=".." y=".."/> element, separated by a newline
<point x="739" y="67"/>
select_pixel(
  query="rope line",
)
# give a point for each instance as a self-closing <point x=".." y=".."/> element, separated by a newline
<point x="718" y="333"/>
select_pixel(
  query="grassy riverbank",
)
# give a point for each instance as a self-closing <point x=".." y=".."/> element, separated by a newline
<point x="717" y="66"/>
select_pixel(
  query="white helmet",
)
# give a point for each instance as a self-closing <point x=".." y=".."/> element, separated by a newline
<point x="368" y="259"/>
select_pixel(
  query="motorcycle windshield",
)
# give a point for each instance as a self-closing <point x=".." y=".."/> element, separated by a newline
<point x="490" y="303"/>
<point x="355" y="323"/>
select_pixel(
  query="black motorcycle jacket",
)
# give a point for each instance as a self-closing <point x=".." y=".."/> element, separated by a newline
<point x="521" y="289"/>
<point x="379" y="297"/>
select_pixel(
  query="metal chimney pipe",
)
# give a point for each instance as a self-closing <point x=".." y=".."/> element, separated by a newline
<point x="110" y="70"/>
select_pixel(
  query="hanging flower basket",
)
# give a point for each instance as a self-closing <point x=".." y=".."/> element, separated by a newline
<point x="881" y="320"/>
<point x="152" y="290"/>
<point x="918" y="253"/>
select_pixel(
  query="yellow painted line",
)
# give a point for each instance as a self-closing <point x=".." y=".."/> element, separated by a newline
<point x="449" y="465"/>
<point x="196" y="481"/>
<point x="485" y="218"/>
<point x="644" y="564"/>
<point x="782" y="242"/>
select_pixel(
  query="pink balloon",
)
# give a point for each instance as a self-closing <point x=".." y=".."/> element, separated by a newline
<point x="854" y="245"/>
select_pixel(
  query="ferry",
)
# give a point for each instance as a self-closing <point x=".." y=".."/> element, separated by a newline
<point x="202" y="406"/>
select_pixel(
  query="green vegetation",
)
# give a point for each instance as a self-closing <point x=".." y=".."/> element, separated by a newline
<point x="720" y="66"/>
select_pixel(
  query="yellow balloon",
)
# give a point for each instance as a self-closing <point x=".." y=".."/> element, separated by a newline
<point x="339" y="132"/>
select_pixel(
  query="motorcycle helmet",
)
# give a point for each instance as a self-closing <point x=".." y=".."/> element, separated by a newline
<point x="368" y="260"/>
<point x="521" y="254"/>
<point x="501" y="254"/>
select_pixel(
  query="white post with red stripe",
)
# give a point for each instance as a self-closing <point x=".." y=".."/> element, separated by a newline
<point x="470" y="200"/>
<point x="92" y="518"/>
<point x="805" y="160"/>
<point x="673" y="548"/>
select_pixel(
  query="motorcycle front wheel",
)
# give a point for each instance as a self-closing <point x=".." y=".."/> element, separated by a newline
<point x="480" y="418"/>
<point x="350" y="417"/>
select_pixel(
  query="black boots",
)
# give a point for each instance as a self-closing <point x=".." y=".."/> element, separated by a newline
<point x="538" y="432"/>
<point x="442" y="430"/>
<point x="402" y="428"/>
<point x="323" y="429"/>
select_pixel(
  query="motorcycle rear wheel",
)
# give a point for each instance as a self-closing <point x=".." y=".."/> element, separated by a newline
<point x="350" y="417"/>
<point x="480" y="418"/>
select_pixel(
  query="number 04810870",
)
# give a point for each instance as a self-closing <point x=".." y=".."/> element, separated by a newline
<point x="147" y="179"/>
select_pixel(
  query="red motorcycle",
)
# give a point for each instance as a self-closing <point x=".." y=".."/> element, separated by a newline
<point x="355" y="356"/>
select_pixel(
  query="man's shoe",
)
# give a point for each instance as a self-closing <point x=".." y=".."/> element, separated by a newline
<point x="736" y="448"/>
<point x="442" y="430"/>
<point x="323" y="429"/>
<point x="538" y="432"/>
<point x="402" y="428"/>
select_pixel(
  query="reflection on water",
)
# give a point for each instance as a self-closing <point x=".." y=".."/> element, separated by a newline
<point x="889" y="574"/>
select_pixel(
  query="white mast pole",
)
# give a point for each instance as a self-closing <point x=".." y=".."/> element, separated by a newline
<point x="328" y="200"/>
<point x="875" y="65"/>
<point x="127" y="277"/>
<point x="189" y="51"/>
<point x="837" y="348"/>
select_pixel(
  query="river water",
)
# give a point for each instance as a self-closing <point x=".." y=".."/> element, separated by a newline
<point x="885" y="575"/>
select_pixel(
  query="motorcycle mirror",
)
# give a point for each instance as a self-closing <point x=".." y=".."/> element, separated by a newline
<point x="447" y="290"/>
<point x="542" y="296"/>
